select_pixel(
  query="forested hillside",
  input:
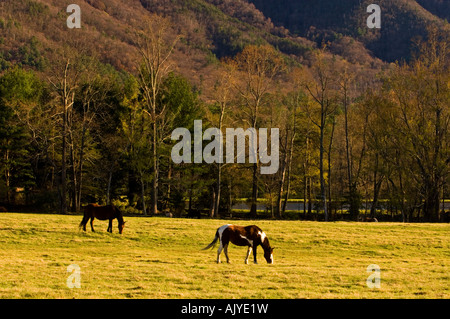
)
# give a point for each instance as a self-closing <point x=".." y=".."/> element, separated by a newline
<point x="88" y="115"/>
<point x="403" y="22"/>
<point x="441" y="8"/>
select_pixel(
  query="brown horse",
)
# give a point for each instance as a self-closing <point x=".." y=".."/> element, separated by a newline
<point x="108" y="212"/>
<point x="250" y="236"/>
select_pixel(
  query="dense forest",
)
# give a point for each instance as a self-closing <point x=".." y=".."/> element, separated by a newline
<point x="87" y="115"/>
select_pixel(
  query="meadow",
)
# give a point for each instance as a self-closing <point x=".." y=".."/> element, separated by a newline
<point x="162" y="258"/>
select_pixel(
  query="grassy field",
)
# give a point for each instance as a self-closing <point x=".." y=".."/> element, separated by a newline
<point x="162" y="258"/>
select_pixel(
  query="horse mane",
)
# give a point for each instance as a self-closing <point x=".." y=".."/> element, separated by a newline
<point x="265" y="244"/>
<point x="119" y="215"/>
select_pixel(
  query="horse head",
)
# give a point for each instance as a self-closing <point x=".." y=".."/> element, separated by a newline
<point x="268" y="254"/>
<point x="121" y="227"/>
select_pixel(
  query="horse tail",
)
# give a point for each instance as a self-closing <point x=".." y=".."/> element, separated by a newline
<point x="86" y="214"/>
<point x="214" y="242"/>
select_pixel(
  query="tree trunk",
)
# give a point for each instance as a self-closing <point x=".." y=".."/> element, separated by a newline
<point x="219" y="171"/>
<point x="63" y="161"/>
<point x="289" y="167"/>
<point x="323" y="193"/>
<point x="7" y="178"/>
<point x="154" y="209"/>
<point x="213" y="203"/>
<point x="66" y="105"/>
<point x="353" y="197"/>
<point x="230" y="198"/>
<point x="169" y="188"/>
<point x="376" y="188"/>
<point x="108" y="188"/>
<point x="190" y="193"/>
<point x="431" y="202"/>
<point x="305" y="195"/>
<point x="330" y="146"/>
<point x="74" y="175"/>
<point x="80" y="168"/>
<point x="144" y="207"/>
<point x="73" y="169"/>
<point x="402" y="194"/>
<point x="254" y="199"/>
<point x="310" y="202"/>
<point x="218" y="191"/>
<point x="281" y="187"/>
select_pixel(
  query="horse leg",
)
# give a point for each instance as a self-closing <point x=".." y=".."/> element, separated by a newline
<point x="254" y="253"/>
<point x="84" y="222"/>
<point x="110" y="226"/>
<point x="219" y="250"/>
<point x="225" y="250"/>
<point x="92" y="223"/>
<point x="248" y="254"/>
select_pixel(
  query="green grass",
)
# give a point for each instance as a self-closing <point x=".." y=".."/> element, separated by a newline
<point x="162" y="258"/>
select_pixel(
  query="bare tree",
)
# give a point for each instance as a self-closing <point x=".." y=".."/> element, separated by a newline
<point x="223" y="95"/>
<point x="322" y="91"/>
<point x="259" y="66"/>
<point x="64" y="81"/>
<point x="155" y="51"/>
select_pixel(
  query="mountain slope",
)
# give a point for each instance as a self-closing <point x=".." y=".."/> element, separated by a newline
<point x="209" y="28"/>
<point x="403" y="21"/>
<point x="33" y="33"/>
<point x="440" y="8"/>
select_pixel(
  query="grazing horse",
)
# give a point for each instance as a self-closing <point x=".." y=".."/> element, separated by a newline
<point x="108" y="212"/>
<point x="250" y="236"/>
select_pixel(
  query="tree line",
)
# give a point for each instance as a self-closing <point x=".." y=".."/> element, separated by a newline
<point x="85" y="132"/>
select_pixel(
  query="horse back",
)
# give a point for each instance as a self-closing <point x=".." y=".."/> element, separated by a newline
<point x="242" y="236"/>
<point x="100" y="212"/>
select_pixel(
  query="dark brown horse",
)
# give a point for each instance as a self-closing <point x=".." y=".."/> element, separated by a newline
<point x="250" y="236"/>
<point x="108" y="212"/>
